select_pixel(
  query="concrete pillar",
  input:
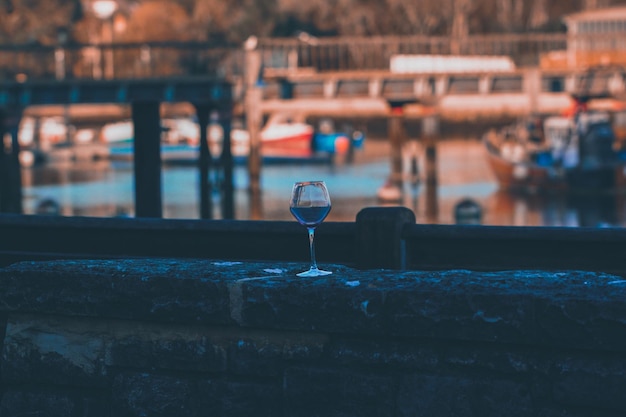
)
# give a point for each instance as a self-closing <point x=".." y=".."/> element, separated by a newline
<point x="392" y="191"/>
<point x="421" y="88"/>
<point x="532" y="88"/>
<point x="570" y="83"/>
<point x="330" y="88"/>
<point x="484" y="84"/>
<point x="375" y="87"/>
<point x="441" y="85"/>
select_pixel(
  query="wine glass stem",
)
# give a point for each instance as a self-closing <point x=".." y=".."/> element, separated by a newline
<point x="312" y="246"/>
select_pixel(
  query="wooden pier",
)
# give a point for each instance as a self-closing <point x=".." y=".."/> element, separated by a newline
<point x="304" y="86"/>
<point x="457" y="97"/>
<point x="207" y="94"/>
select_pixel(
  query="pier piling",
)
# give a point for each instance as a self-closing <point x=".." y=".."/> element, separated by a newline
<point x="430" y="134"/>
<point x="10" y="172"/>
<point x="147" y="156"/>
<point x="204" y="162"/>
<point x="254" y="116"/>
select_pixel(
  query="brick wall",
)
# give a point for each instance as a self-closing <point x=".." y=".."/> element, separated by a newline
<point x="167" y="337"/>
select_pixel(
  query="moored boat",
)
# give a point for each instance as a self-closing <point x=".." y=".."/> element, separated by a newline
<point x="574" y="152"/>
<point x="283" y="138"/>
<point x="52" y="140"/>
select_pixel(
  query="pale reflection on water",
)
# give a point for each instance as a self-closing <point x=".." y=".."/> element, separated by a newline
<point x="106" y="189"/>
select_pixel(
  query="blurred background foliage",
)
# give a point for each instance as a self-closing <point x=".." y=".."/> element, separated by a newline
<point x="230" y="22"/>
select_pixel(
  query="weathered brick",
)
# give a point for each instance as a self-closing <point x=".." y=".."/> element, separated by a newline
<point x="388" y="354"/>
<point x="52" y="404"/>
<point x="597" y="383"/>
<point x="179" y="350"/>
<point x="268" y="353"/>
<point x="195" y="338"/>
<point x="443" y="396"/>
<point x="54" y="350"/>
<point x="143" y="394"/>
<point x="336" y="392"/>
<point x="225" y="398"/>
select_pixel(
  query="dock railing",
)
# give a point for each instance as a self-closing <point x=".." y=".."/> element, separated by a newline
<point x="380" y="237"/>
<point x="175" y="58"/>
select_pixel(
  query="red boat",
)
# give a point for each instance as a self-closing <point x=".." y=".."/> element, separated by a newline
<point x="285" y="136"/>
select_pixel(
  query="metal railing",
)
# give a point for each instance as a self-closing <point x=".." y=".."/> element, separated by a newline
<point x="119" y="61"/>
<point x="167" y="59"/>
<point x="374" y="53"/>
<point x="380" y="237"/>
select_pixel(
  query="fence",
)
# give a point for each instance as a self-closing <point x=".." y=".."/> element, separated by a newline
<point x="164" y="59"/>
<point x="374" y="53"/>
<point x="106" y="61"/>
<point x="381" y="237"/>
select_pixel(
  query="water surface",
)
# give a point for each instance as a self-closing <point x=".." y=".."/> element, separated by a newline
<point x="106" y="189"/>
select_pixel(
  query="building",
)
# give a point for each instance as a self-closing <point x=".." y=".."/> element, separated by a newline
<point x="594" y="37"/>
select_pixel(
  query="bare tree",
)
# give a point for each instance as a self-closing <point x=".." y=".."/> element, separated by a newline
<point x="158" y="20"/>
<point x="459" y="29"/>
<point x="418" y="18"/>
<point x="236" y="20"/>
<point x="460" y="25"/>
<point x="595" y="4"/>
<point x="538" y="14"/>
<point x="31" y="21"/>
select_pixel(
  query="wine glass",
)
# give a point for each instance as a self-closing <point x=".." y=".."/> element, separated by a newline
<point x="310" y="204"/>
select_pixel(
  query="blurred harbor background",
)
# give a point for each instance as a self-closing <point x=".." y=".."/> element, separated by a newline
<point x="448" y="60"/>
<point x="105" y="189"/>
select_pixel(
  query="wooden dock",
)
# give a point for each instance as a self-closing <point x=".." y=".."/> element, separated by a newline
<point x="144" y="97"/>
<point x="459" y="97"/>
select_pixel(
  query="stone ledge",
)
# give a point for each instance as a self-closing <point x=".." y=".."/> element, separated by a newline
<point x="573" y="309"/>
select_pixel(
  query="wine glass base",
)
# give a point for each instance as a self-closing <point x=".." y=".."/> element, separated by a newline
<point x="314" y="272"/>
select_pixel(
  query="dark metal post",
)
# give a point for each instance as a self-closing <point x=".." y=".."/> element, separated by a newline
<point x="147" y="157"/>
<point x="15" y="171"/>
<point x="10" y="170"/>
<point x="228" y="197"/>
<point x="396" y="138"/>
<point x="204" y="163"/>
<point x="379" y="237"/>
<point x="430" y="131"/>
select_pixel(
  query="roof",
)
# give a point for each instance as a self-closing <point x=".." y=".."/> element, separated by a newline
<point x="610" y="13"/>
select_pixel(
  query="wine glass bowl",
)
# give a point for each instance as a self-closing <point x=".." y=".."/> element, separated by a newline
<point x="310" y="204"/>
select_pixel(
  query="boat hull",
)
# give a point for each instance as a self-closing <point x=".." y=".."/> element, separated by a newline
<point x="297" y="145"/>
<point x="528" y="176"/>
<point x="189" y="154"/>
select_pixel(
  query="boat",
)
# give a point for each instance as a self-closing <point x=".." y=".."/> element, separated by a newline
<point x="180" y="138"/>
<point x="52" y="140"/>
<point x="575" y="151"/>
<point x="285" y="137"/>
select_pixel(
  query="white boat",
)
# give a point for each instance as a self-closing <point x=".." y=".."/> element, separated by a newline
<point x="51" y="140"/>
<point x="282" y="136"/>
<point x="559" y="153"/>
<point x="117" y="132"/>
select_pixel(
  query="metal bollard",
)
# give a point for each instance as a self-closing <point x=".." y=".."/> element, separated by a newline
<point x="468" y="211"/>
<point x="379" y="237"/>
